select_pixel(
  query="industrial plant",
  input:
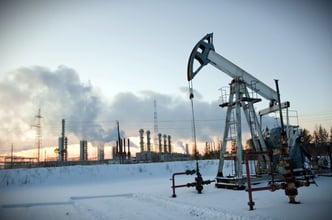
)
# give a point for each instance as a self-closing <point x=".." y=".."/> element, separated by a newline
<point x="121" y="151"/>
<point x="163" y="151"/>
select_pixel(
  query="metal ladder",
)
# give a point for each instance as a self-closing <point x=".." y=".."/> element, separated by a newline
<point x="239" y="97"/>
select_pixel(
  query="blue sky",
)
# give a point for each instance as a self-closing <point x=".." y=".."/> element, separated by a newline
<point x="140" y="49"/>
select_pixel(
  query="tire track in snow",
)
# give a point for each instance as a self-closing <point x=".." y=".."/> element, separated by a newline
<point x="192" y="211"/>
<point x="98" y="206"/>
<point x="101" y="196"/>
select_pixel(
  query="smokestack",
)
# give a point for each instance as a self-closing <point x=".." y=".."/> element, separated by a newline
<point x="187" y="149"/>
<point x="63" y="129"/>
<point x="83" y="150"/>
<point x="62" y="143"/>
<point x="148" y="140"/>
<point x="101" y="151"/>
<point x="114" y="152"/>
<point x="117" y="148"/>
<point x="165" y="143"/>
<point x="141" y="134"/>
<point x="119" y="140"/>
<point x="60" y="146"/>
<point x="65" y="155"/>
<point x="124" y="147"/>
<point x="160" y="143"/>
<point x="169" y="144"/>
<point x="129" y="156"/>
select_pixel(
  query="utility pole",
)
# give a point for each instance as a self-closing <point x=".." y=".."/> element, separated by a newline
<point x="64" y="141"/>
<point x="155" y="127"/>
<point x="12" y="156"/>
<point x="120" y="154"/>
<point x="38" y="133"/>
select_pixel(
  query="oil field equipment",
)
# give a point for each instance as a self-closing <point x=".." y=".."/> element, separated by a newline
<point x="198" y="184"/>
<point x="278" y="152"/>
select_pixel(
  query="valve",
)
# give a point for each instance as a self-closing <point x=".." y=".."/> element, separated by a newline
<point x="198" y="184"/>
<point x="190" y="172"/>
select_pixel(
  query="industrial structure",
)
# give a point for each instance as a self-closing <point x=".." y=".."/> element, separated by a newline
<point x="281" y="156"/>
<point x="121" y="152"/>
<point x="164" y="152"/>
<point x="100" y="152"/>
<point x="63" y="143"/>
<point x="38" y="133"/>
<point x="83" y="150"/>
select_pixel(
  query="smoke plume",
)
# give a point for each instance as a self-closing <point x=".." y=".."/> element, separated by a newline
<point x="60" y="94"/>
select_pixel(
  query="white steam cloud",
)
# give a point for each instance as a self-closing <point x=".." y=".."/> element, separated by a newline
<point x="62" y="95"/>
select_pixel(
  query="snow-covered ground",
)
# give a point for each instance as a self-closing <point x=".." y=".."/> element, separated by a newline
<point x="143" y="191"/>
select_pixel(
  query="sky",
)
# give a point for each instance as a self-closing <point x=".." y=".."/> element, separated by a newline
<point x="96" y="62"/>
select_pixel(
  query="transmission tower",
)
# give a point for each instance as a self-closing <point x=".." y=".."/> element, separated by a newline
<point x="155" y="127"/>
<point x="38" y="133"/>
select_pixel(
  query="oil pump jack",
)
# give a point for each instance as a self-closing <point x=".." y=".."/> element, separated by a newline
<point x="241" y="88"/>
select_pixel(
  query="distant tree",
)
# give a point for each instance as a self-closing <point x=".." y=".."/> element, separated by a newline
<point x="320" y="135"/>
<point x="322" y="141"/>
<point x="306" y="136"/>
<point x="329" y="149"/>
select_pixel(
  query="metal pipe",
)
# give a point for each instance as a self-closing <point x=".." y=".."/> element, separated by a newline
<point x="173" y="182"/>
<point x="187" y="172"/>
<point x="179" y="186"/>
<point x="251" y="203"/>
<point x="291" y="189"/>
<point x="272" y="186"/>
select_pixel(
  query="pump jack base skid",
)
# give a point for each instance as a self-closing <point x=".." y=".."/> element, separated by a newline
<point x="234" y="183"/>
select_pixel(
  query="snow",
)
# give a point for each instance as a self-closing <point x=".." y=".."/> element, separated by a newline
<point x="143" y="191"/>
